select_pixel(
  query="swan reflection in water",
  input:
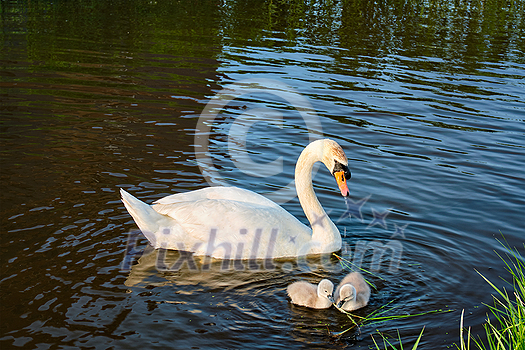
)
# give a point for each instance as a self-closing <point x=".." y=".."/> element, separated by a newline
<point x="161" y="267"/>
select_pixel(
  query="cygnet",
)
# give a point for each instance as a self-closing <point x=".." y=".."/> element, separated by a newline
<point x="352" y="293"/>
<point x="311" y="295"/>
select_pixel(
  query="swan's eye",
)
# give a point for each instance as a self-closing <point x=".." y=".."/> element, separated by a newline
<point x="338" y="167"/>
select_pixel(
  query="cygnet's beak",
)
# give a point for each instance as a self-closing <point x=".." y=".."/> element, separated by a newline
<point x="331" y="298"/>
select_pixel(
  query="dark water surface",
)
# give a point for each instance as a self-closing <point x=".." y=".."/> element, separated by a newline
<point x="426" y="98"/>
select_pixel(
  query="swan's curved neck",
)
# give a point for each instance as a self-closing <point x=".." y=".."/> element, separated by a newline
<point x="323" y="229"/>
<point x="303" y="184"/>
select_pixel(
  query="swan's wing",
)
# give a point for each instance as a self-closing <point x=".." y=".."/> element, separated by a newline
<point x="233" y="223"/>
<point x="226" y="193"/>
<point x="228" y="215"/>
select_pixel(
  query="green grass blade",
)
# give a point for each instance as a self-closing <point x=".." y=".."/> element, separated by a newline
<point x="418" y="339"/>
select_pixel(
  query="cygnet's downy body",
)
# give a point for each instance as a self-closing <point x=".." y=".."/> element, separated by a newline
<point x="310" y="295"/>
<point x="352" y="293"/>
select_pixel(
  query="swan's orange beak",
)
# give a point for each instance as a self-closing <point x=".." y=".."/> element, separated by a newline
<point x="341" y="182"/>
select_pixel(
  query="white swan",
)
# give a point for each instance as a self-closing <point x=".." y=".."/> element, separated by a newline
<point x="310" y="295"/>
<point x="232" y="223"/>
<point x="352" y="293"/>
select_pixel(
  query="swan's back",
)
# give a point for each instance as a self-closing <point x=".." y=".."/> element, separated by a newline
<point x="215" y="193"/>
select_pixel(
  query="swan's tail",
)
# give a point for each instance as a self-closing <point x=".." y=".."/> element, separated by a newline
<point x="147" y="219"/>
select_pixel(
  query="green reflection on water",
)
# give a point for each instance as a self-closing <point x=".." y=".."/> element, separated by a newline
<point x="458" y="30"/>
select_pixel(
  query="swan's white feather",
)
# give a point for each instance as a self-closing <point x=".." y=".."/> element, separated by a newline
<point x="228" y="193"/>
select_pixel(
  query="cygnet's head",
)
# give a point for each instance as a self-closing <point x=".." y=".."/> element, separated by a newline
<point x="347" y="293"/>
<point x="325" y="290"/>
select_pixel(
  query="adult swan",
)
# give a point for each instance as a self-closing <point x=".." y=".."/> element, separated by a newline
<point x="232" y="223"/>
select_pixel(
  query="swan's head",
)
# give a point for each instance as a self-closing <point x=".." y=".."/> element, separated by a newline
<point x="335" y="160"/>
<point x="347" y="293"/>
<point x="325" y="290"/>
